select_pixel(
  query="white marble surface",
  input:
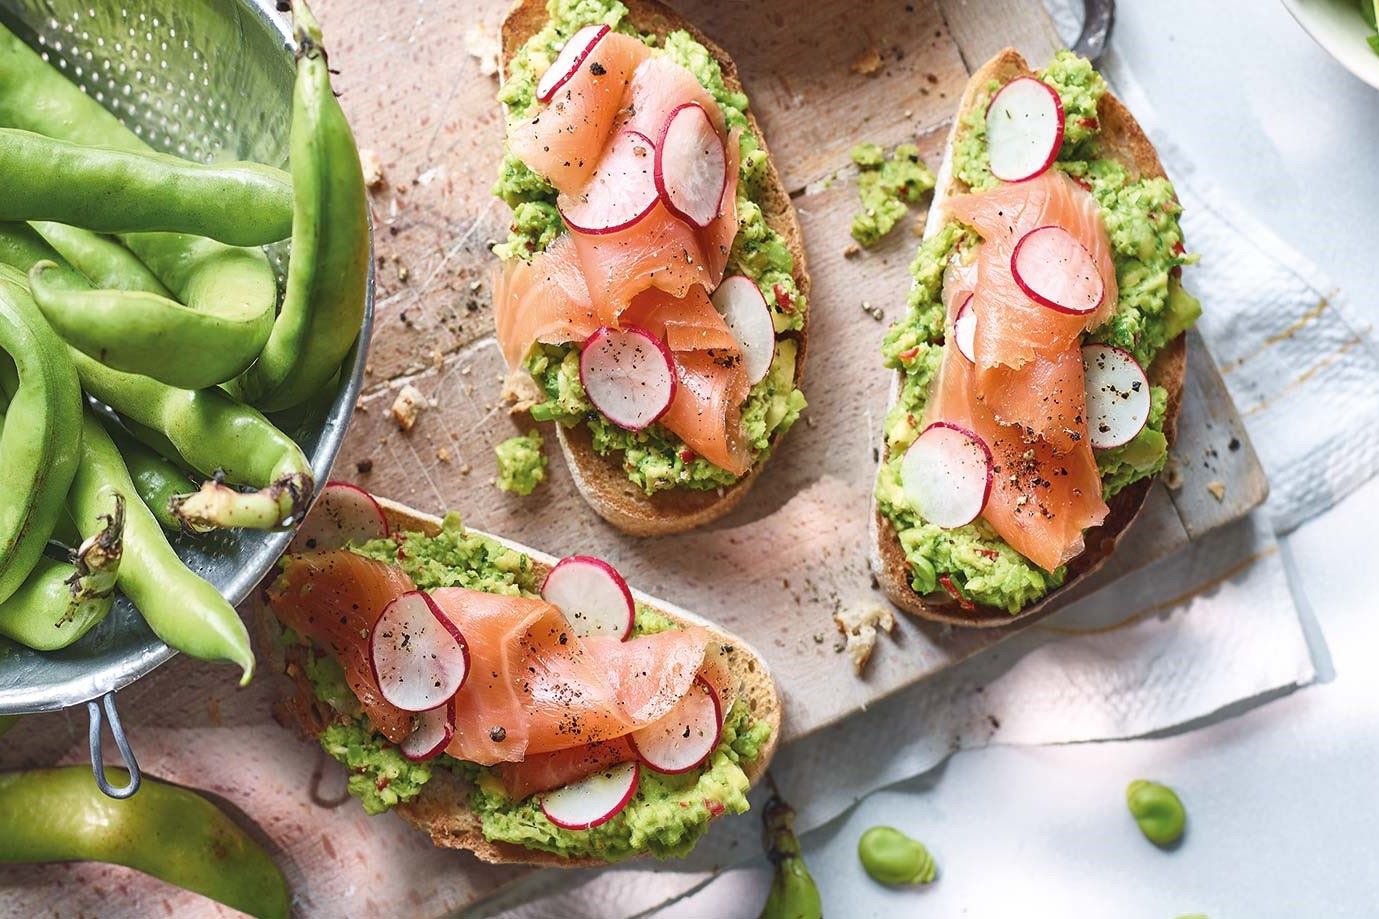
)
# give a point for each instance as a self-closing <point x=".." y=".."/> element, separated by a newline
<point x="1282" y="799"/>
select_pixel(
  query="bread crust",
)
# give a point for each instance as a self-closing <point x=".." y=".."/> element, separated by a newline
<point x="601" y="479"/>
<point x="1123" y="138"/>
<point x="442" y="810"/>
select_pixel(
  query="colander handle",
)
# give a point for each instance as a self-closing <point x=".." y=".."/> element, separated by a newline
<point x="1097" y="20"/>
<point x="93" y="709"/>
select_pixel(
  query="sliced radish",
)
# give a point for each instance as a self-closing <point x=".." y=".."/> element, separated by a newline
<point x="592" y="595"/>
<point x="592" y="800"/>
<point x="1118" y="397"/>
<point x="628" y="375"/>
<point x="433" y="733"/>
<point x="343" y="514"/>
<point x="1057" y="271"/>
<point x="621" y="191"/>
<point x="965" y="330"/>
<point x="686" y="736"/>
<point x="1024" y="129"/>
<point x="418" y="655"/>
<point x="691" y="165"/>
<point x="568" y="62"/>
<point x="744" y="310"/>
<point x="946" y="474"/>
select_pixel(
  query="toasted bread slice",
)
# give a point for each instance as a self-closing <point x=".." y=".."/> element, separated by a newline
<point x="442" y="808"/>
<point x="601" y="479"/>
<point x="1123" y="139"/>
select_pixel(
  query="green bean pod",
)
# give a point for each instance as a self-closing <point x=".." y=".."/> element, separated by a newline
<point x="169" y="832"/>
<point x="38" y="444"/>
<point x="328" y="271"/>
<point x="147" y="333"/>
<point x="219" y="438"/>
<point x="117" y="191"/>
<point x="793" y="894"/>
<point x="157" y="480"/>
<point x="181" y="608"/>
<point x="62" y="601"/>
<point x="202" y="273"/>
<point x="102" y="260"/>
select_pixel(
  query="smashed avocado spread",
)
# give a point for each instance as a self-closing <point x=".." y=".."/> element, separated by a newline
<point x="654" y="459"/>
<point x="666" y="817"/>
<point x="521" y="463"/>
<point x="886" y="184"/>
<point x="1141" y="218"/>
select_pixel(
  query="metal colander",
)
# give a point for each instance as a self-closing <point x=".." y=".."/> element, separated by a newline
<point x="208" y="80"/>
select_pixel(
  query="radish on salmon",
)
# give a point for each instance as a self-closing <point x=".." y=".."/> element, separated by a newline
<point x="565" y="139"/>
<point x="545" y="771"/>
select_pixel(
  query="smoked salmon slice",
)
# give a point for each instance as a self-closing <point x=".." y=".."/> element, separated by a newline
<point x="688" y="323"/>
<point x="543" y="300"/>
<point x="564" y="140"/>
<point x="706" y="412"/>
<point x="1012" y="328"/>
<point x="545" y="771"/>
<point x="1041" y="498"/>
<point x="334" y="598"/>
<point x="535" y="687"/>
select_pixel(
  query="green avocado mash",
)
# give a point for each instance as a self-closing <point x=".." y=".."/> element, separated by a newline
<point x="521" y="463"/>
<point x="666" y="817"/>
<point x="1141" y="217"/>
<point x="886" y="184"/>
<point x="654" y="459"/>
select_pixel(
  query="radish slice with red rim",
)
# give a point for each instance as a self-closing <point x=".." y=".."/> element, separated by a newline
<point x="592" y="800"/>
<point x="965" y="330"/>
<point x="418" y="655"/>
<point x="946" y="475"/>
<point x="1024" y="129"/>
<point x="343" y="514"/>
<point x="628" y="375"/>
<point x="1118" y="396"/>
<point x="1057" y="271"/>
<point x="621" y="191"/>
<point x="691" y="165"/>
<point x="592" y="595"/>
<point x="739" y="300"/>
<point x="686" y="736"/>
<point x="433" y="733"/>
<point x="568" y="62"/>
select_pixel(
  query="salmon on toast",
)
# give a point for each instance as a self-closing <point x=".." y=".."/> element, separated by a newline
<point x="1039" y="365"/>
<point x="653" y="283"/>
<point x="530" y="710"/>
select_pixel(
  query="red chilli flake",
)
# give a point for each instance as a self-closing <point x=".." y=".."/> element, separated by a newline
<point x="989" y="553"/>
<point x="382" y="782"/>
<point x="1179" y="248"/>
<point x="952" y="590"/>
<point x="1086" y="186"/>
<point x="715" y="807"/>
<point x="783" y="298"/>
<point x="1090" y="124"/>
<point x="909" y="353"/>
<point x="687" y="455"/>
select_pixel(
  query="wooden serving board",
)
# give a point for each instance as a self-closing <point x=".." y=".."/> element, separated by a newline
<point x="417" y="82"/>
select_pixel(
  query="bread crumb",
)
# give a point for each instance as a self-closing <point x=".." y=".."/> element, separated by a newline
<point x="364" y="466"/>
<point x="407" y="406"/>
<point x="1173" y="473"/>
<point x="859" y="629"/>
<point x="867" y="63"/>
<point x="852" y="251"/>
<point x="443" y="454"/>
<point x="1218" y="490"/>
<point x="520" y="392"/>
<point x="482" y="45"/>
<point x="372" y="166"/>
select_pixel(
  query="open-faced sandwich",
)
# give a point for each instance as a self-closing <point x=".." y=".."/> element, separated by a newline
<point x="653" y="284"/>
<point x="526" y="709"/>
<point x="1040" y="362"/>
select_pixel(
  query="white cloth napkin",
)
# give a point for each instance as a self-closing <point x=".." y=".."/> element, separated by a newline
<point x="1212" y="627"/>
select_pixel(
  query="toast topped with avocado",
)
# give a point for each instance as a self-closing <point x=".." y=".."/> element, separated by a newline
<point x="1039" y="366"/>
<point x="529" y="710"/>
<point x="653" y="284"/>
